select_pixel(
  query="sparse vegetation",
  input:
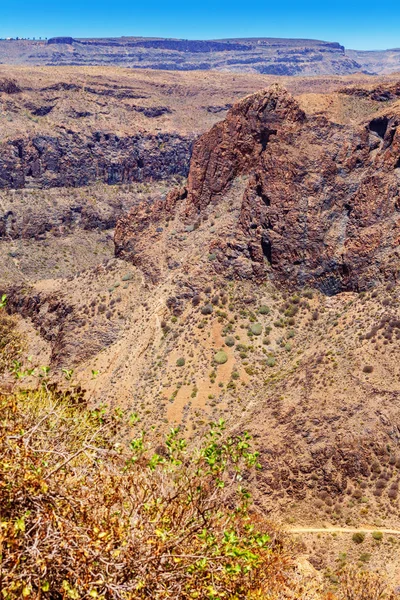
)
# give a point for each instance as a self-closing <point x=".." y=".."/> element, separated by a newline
<point x="10" y="341"/>
<point x="196" y="331"/>
<point x="264" y="310"/>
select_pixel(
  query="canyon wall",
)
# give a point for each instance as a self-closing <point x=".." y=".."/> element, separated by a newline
<point x="72" y="160"/>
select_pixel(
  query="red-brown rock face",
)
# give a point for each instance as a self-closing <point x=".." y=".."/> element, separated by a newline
<point x="234" y="146"/>
<point x="322" y="202"/>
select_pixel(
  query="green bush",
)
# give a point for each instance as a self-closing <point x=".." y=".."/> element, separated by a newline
<point x="256" y="328"/>
<point x="271" y="361"/>
<point x="264" y="310"/>
<point x="291" y="311"/>
<point x="221" y="357"/>
<point x="365" y="557"/>
<point x="358" y="537"/>
<point x="180" y="362"/>
<point x="230" y="341"/>
<point x="377" y="535"/>
<point x="207" y="309"/>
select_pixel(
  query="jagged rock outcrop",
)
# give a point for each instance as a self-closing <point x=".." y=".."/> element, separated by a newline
<point x="322" y="202"/>
<point x="72" y="160"/>
<point x="234" y="146"/>
<point x="9" y="86"/>
<point x="380" y="93"/>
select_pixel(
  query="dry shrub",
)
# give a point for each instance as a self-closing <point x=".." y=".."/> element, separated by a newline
<point x="362" y="585"/>
<point x="88" y="510"/>
<point x="10" y="341"/>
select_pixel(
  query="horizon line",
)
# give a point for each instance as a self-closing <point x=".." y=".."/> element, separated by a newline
<point x="208" y="39"/>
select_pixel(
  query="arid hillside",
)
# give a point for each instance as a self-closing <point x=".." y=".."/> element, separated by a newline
<point x="69" y="127"/>
<point x="253" y="278"/>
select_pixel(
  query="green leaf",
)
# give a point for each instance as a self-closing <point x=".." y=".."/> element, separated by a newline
<point x="68" y="373"/>
<point x="20" y="524"/>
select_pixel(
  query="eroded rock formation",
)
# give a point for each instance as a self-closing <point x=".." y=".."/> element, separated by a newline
<point x="322" y="202"/>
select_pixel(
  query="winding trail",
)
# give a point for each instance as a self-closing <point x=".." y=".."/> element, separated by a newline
<point x="341" y="530"/>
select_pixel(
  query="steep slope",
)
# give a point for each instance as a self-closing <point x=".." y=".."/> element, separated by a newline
<point x="377" y="61"/>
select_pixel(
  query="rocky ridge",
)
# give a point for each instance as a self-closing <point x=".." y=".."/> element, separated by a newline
<point x="94" y="127"/>
<point x="321" y="205"/>
<point x="275" y="56"/>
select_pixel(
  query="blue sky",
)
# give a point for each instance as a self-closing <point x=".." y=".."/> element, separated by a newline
<point x="356" y="24"/>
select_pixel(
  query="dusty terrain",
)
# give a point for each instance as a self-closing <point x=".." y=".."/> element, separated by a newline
<point x="186" y="319"/>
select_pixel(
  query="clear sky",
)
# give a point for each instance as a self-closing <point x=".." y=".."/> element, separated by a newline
<point x="356" y="24"/>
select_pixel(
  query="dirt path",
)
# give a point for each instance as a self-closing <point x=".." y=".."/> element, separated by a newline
<point x="342" y="530"/>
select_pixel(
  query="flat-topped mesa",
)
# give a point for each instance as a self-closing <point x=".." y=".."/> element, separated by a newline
<point x="233" y="146"/>
<point x="320" y="205"/>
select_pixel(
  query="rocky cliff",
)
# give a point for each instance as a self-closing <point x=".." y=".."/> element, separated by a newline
<point x="72" y="160"/>
<point x="321" y="204"/>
